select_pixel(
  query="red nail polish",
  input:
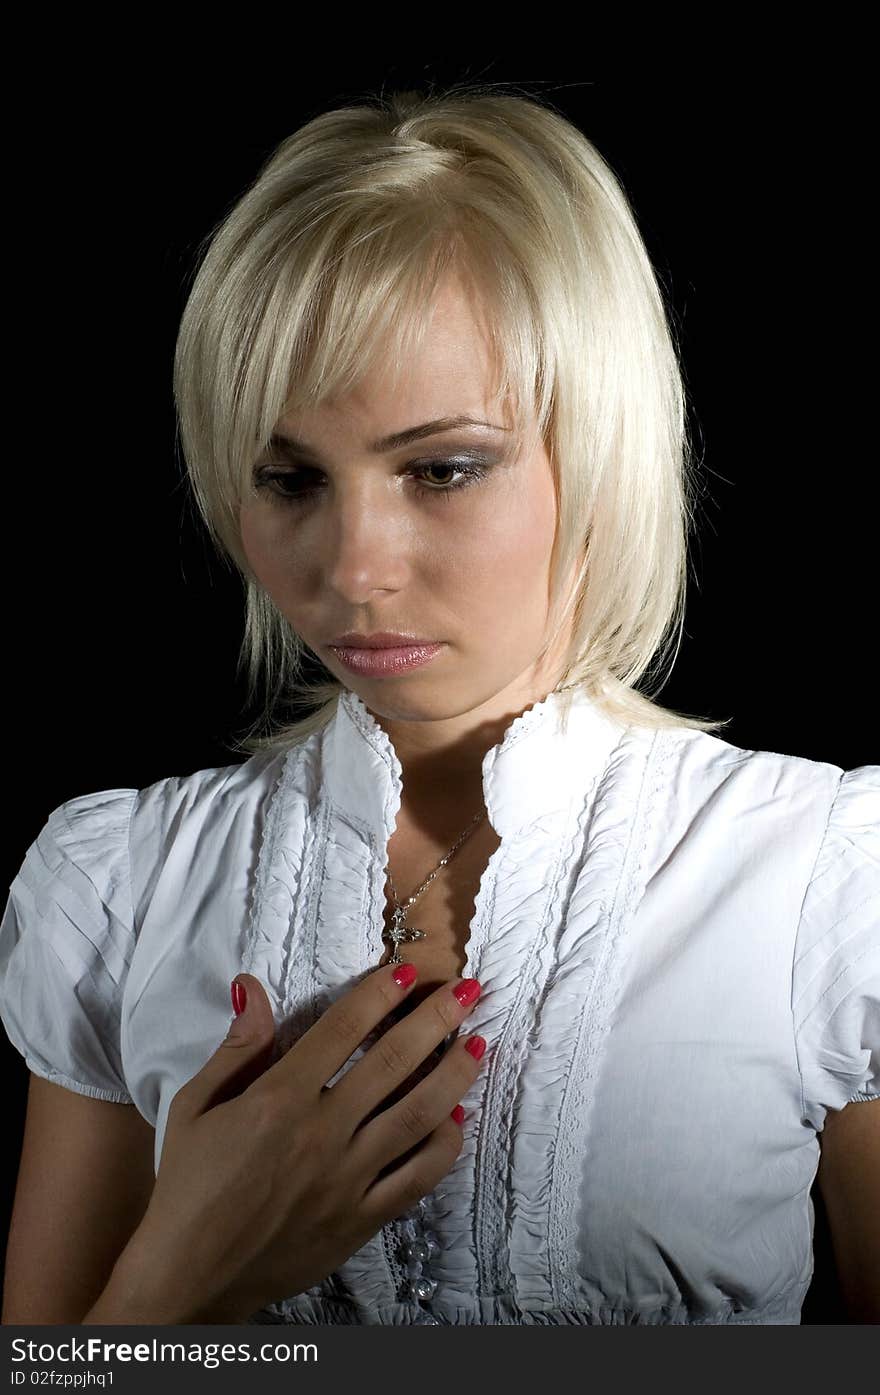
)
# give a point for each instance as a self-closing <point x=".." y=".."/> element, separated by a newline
<point x="467" y="992"/>
<point x="405" y="975"/>
<point x="239" y="998"/>
<point x="458" y="1114"/>
<point x="476" y="1046"/>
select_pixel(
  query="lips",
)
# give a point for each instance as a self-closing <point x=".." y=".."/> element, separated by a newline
<point x="382" y="639"/>
<point x="378" y="663"/>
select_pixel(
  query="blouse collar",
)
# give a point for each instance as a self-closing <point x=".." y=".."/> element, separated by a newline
<point x="533" y="773"/>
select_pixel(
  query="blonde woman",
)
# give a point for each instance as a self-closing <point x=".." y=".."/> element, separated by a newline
<point x="548" y="1001"/>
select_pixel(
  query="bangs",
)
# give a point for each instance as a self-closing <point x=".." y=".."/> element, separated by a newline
<point x="364" y="309"/>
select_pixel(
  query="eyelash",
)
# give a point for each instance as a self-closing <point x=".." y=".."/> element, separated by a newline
<point x="471" y="472"/>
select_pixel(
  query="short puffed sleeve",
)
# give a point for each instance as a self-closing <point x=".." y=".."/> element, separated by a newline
<point x="836" y="981"/>
<point x="66" y="941"/>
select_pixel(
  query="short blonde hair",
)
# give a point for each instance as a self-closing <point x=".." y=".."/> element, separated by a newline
<point x="327" y="262"/>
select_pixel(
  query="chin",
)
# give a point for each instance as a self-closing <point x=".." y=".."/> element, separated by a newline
<point x="436" y="702"/>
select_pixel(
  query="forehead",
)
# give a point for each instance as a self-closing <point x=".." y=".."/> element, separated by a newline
<point x="452" y="371"/>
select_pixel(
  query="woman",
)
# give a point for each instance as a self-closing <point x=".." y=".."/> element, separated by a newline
<point x="547" y="1001"/>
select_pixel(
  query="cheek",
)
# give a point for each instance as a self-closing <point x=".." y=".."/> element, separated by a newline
<point x="507" y="546"/>
<point x="267" y="553"/>
<point x="251" y="541"/>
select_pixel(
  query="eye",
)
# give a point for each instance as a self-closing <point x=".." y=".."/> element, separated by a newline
<point x="468" y="472"/>
<point x="298" y="486"/>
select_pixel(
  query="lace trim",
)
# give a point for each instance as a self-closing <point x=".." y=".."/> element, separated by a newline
<point x="595" y="1020"/>
<point x="494" y="1140"/>
<point x="379" y="740"/>
<point x="391" y="1244"/>
<point x="284" y="972"/>
<point x="266" y="855"/>
<point x="301" y="1008"/>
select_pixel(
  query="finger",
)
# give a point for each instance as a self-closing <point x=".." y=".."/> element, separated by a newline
<point x="242" y="1057"/>
<point x="398" y="1129"/>
<point x="321" y="1051"/>
<point x="405" y="1185"/>
<point x="400" y="1050"/>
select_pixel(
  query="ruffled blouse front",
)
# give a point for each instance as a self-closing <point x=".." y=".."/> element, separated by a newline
<point x="678" y="946"/>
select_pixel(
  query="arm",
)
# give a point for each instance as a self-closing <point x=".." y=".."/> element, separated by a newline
<point x="84" y="1181"/>
<point x="849" y="1180"/>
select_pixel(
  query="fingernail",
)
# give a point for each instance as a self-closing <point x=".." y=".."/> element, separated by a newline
<point x="405" y="975"/>
<point x="458" y="1114"/>
<point x="467" y="991"/>
<point x="476" y="1046"/>
<point x="239" y="998"/>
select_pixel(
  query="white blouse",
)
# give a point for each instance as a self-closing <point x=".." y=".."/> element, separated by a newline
<point x="679" y="947"/>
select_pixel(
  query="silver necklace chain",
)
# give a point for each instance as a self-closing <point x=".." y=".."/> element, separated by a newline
<point x="400" y="932"/>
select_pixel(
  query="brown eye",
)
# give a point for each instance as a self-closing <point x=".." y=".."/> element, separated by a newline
<point x="441" y="465"/>
<point x="470" y="472"/>
<point x="290" y="485"/>
<point x="301" y="485"/>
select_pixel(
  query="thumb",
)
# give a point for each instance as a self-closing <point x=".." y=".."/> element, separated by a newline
<point x="242" y="1056"/>
<point x="253" y="1019"/>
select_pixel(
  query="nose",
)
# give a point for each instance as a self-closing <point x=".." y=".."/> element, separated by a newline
<point x="365" y="543"/>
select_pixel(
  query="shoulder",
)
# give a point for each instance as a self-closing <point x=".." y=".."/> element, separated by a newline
<point x="225" y="782"/>
<point x="212" y="822"/>
<point x="90" y="836"/>
<point x="80" y="856"/>
<point x="806" y="831"/>
<point x="103" y="848"/>
<point x="707" y="782"/>
<point x="216" y="794"/>
<point x="702" y="761"/>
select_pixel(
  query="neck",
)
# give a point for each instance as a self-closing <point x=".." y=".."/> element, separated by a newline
<point x="441" y="759"/>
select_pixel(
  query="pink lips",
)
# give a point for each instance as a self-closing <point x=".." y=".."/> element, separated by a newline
<point x="378" y="663"/>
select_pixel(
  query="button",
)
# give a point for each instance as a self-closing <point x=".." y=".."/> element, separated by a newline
<point x="420" y="1250"/>
<point x="422" y="1289"/>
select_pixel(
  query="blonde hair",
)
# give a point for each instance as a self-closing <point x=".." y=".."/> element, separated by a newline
<point x="327" y="261"/>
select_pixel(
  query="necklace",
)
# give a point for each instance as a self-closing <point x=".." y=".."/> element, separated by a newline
<point x="400" y="932"/>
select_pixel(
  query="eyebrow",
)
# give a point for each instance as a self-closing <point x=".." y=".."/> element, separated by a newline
<point x="397" y="439"/>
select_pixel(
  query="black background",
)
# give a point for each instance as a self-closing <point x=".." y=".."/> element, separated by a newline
<point x="123" y="629"/>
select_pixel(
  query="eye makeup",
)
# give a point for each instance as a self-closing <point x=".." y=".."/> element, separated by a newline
<point x="470" y="470"/>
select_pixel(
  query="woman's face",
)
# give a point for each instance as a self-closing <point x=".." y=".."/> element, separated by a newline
<point x="379" y="541"/>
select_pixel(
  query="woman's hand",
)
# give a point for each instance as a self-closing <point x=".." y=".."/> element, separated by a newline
<point x="262" y="1195"/>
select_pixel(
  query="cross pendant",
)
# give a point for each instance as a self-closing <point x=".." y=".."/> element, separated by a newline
<point x="399" y="933"/>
